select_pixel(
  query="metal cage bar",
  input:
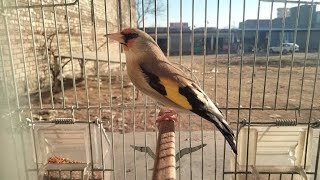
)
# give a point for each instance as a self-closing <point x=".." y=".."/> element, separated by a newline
<point x="203" y="80"/>
<point x="252" y="84"/>
<point x="236" y="87"/>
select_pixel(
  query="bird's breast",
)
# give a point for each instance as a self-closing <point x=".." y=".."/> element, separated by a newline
<point x="136" y="75"/>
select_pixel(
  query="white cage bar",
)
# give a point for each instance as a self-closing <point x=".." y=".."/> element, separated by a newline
<point x="56" y="63"/>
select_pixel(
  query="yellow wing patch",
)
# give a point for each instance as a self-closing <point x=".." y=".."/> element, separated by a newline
<point x="172" y="90"/>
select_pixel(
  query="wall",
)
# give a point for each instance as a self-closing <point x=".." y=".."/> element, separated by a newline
<point x="29" y="53"/>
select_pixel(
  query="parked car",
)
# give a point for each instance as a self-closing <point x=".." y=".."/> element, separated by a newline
<point x="286" y="47"/>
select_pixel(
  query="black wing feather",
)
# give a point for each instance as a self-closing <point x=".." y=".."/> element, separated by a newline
<point x="199" y="108"/>
<point x="154" y="81"/>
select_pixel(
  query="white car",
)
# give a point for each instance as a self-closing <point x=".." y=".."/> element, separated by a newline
<point x="286" y="47"/>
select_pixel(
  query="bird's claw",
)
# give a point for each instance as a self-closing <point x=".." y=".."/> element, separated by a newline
<point x="167" y="114"/>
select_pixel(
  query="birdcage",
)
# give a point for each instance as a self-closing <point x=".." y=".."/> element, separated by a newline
<point x="69" y="110"/>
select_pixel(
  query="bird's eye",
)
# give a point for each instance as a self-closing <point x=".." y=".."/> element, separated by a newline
<point x="130" y="36"/>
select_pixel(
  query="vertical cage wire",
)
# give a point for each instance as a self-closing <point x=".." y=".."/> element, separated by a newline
<point x="268" y="55"/>
<point x="122" y="94"/>
<point x="216" y="51"/>
<point x="98" y="85"/>
<point x="306" y="53"/>
<point x="317" y="157"/>
<point x="215" y="86"/>
<point x="252" y="85"/>
<point x="46" y="53"/>
<point x="240" y="80"/>
<point x="134" y="94"/>
<point x="59" y="51"/>
<point x="272" y="73"/>
<point x="191" y="73"/>
<point x="280" y="59"/>
<point x="313" y="93"/>
<point x="227" y="84"/>
<point x="71" y="57"/>
<point x="303" y="75"/>
<point x="203" y="80"/>
<point x="180" y="62"/>
<point x="145" y="104"/>
<point x="292" y="57"/>
<point x="35" y="56"/>
<point x="156" y="40"/>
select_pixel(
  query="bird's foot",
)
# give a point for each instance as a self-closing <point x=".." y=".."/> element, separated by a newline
<point x="166" y="114"/>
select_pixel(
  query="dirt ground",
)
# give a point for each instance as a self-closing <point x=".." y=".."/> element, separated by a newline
<point x="264" y="88"/>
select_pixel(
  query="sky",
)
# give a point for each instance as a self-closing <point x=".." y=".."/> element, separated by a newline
<point x="251" y="11"/>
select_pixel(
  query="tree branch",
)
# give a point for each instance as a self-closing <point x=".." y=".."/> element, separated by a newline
<point x="149" y="9"/>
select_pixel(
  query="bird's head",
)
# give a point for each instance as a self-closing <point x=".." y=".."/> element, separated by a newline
<point x="134" y="40"/>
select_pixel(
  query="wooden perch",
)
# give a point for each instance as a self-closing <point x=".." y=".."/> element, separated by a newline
<point x="165" y="162"/>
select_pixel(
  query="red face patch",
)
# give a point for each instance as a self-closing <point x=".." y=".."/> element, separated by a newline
<point x="130" y="36"/>
<point x="128" y="45"/>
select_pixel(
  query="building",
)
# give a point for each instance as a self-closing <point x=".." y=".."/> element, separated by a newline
<point x="178" y="25"/>
<point x="212" y="41"/>
<point x="316" y="21"/>
<point x="287" y="25"/>
<point x="252" y="24"/>
<point x="304" y="12"/>
<point x="283" y="12"/>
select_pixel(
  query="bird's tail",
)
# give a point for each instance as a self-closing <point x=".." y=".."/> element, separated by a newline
<point x="224" y="128"/>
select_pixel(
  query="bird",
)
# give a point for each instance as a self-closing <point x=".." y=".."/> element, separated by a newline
<point x="154" y="75"/>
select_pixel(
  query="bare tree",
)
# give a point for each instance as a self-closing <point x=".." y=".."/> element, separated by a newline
<point x="148" y="10"/>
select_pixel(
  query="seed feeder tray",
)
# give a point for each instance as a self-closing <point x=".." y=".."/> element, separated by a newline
<point x="80" y="150"/>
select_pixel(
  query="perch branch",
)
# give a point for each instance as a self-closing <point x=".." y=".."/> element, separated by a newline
<point x="165" y="162"/>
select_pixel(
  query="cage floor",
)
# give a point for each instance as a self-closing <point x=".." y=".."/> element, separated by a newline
<point x="186" y="169"/>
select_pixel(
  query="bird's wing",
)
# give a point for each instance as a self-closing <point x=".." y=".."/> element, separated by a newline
<point x="172" y="84"/>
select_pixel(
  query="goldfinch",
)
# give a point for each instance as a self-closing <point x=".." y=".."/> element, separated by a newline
<point x="152" y="73"/>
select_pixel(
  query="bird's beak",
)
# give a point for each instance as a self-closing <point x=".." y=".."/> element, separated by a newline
<point x="116" y="36"/>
